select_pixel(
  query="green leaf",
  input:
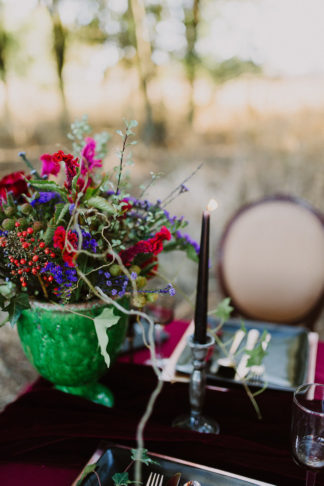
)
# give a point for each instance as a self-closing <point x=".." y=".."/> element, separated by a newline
<point x="49" y="186"/>
<point x="104" y="321"/>
<point x="75" y="179"/>
<point x="121" y="479"/>
<point x="131" y="124"/>
<point x="257" y="354"/>
<point x="192" y="254"/>
<point x="224" y="309"/>
<point x="16" y="305"/>
<point x="8" y="290"/>
<point x="49" y="233"/>
<point x="120" y="133"/>
<point x="142" y="456"/>
<point x="60" y="212"/>
<point x="102" y="204"/>
<point x="86" y="471"/>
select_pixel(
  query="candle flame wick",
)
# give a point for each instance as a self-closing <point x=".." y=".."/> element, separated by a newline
<point x="212" y="205"/>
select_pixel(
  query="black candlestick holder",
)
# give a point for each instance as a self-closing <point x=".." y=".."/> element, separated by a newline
<point x="195" y="420"/>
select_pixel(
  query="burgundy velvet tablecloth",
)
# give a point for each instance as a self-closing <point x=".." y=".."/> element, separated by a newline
<point x="47" y="436"/>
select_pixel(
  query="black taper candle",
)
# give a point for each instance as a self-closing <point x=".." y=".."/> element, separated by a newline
<point x="202" y="283"/>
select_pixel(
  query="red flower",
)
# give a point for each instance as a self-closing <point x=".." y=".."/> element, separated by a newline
<point x="59" y="237"/>
<point x="51" y="165"/>
<point x="59" y="242"/>
<point x="157" y="240"/>
<point x="153" y="245"/>
<point x="126" y="206"/>
<point x="69" y="258"/>
<point x="14" y="183"/>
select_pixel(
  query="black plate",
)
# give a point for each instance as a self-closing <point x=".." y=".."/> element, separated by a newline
<point x="286" y="363"/>
<point x="115" y="459"/>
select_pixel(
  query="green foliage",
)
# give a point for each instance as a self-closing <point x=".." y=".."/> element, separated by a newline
<point x="224" y="310"/>
<point x="16" y="305"/>
<point x="60" y="211"/>
<point x="104" y="321"/>
<point x="101" y="204"/>
<point x="8" y="290"/>
<point x="142" y="456"/>
<point x="257" y="354"/>
<point x="79" y="130"/>
<point x="102" y="140"/>
<point x="49" y="186"/>
<point x="122" y="479"/>
<point x="49" y="233"/>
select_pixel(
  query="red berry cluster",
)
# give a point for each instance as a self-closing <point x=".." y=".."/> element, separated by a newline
<point x="33" y="256"/>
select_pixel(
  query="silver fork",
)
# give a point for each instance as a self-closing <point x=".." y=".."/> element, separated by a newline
<point x="154" y="479"/>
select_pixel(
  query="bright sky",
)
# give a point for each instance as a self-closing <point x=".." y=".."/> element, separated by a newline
<point x="285" y="36"/>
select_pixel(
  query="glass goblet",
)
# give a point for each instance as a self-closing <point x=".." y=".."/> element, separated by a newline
<point x="307" y="429"/>
<point x="162" y="314"/>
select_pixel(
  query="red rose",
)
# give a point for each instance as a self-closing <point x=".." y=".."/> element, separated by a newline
<point x="14" y="183"/>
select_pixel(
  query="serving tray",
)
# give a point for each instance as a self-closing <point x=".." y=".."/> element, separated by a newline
<point x="288" y="364"/>
<point x="115" y="459"/>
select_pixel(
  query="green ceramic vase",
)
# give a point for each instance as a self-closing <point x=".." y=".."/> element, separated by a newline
<point x="61" y="343"/>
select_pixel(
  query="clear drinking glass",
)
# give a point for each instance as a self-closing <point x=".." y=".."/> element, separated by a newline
<point x="307" y="429"/>
<point x="162" y="314"/>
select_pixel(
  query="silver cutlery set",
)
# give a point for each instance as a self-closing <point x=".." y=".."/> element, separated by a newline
<point x="229" y="367"/>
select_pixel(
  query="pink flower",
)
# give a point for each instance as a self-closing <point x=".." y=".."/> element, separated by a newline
<point x="50" y="165"/>
<point x="88" y="157"/>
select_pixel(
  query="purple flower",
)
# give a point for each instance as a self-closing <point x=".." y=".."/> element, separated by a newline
<point x="64" y="276"/>
<point x="45" y="197"/>
<point x="187" y="240"/>
<point x="183" y="188"/>
<point x="88" y="243"/>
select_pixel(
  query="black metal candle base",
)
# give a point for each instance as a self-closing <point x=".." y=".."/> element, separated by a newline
<point x="195" y="420"/>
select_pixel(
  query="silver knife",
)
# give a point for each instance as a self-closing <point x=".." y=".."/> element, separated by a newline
<point x="242" y="369"/>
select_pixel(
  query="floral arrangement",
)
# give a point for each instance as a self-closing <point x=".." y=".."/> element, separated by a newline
<point x="61" y="242"/>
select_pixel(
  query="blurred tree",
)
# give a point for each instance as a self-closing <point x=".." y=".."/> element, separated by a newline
<point x="59" y="37"/>
<point x="7" y="45"/>
<point x="144" y="62"/>
<point x="191" y="58"/>
<point x="233" y="68"/>
<point x="129" y="29"/>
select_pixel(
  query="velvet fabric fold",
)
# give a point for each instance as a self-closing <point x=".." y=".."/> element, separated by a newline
<point x="47" y="436"/>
